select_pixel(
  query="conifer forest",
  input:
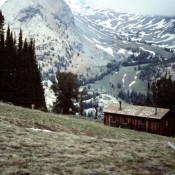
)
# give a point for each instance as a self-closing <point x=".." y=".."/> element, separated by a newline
<point x="20" y="79"/>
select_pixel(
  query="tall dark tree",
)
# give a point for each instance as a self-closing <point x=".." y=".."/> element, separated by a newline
<point x="1" y="32"/>
<point x="26" y="77"/>
<point x="1" y="50"/>
<point x="164" y="93"/>
<point x="1" y="23"/>
<point x="66" y="91"/>
<point x="20" y="70"/>
<point x="20" y="79"/>
<point x="7" y="67"/>
<point x="35" y="81"/>
<point x="149" y="101"/>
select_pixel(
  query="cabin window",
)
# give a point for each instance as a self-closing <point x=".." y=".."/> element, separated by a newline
<point x="166" y="123"/>
<point x="113" y="118"/>
<point x="142" y="121"/>
<point x="125" y="120"/>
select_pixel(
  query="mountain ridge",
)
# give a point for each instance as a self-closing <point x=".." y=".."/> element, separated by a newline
<point x="75" y="37"/>
<point x="56" y="40"/>
<point x="132" y="27"/>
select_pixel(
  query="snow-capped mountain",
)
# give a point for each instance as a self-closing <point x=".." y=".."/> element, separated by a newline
<point x="124" y="35"/>
<point x="75" y="37"/>
<point x="111" y="25"/>
<point x="58" y="45"/>
<point x="72" y="36"/>
<point x="127" y="36"/>
<point x="43" y="20"/>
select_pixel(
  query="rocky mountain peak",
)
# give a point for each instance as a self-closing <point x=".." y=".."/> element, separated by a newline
<point x="51" y="24"/>
<point x="27" y="11"/>
<point x="71" y="36"/>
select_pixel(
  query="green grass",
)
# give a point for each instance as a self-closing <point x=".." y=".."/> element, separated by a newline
<point x="115" y="78"/>
<point x="77" y="146"/>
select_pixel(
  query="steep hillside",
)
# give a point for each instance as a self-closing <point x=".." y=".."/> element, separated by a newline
<point x="110" y="26"/>
<point x="58" y="45"/>
<point x="84" y="40"/>
<point x="132" y="39"/>
<point x="90" y="42"/>
<point x="33" y="142"/>
<point x="43" y="21"/>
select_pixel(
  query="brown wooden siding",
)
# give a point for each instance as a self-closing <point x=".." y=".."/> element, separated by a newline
<point x="164" y="126"/>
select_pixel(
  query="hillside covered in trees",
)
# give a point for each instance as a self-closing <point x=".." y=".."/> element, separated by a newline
<point x="20" y="79"/>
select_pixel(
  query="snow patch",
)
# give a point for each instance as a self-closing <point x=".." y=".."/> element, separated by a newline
<point x="108" y="49"/>
<point x="132" y="83"/>
<point x="88" y="39"/>
<point x="121" y="51"/>
<point x="160" y="24"/>
<point x="96" y="40"/>
<point x="42" y="130"/>
<point x="171" y="145"/>
<point x="168" y="37"/>
<point x="123" y="80"/>
<point x="151" y="52"/>
<point x="106" y="23"/>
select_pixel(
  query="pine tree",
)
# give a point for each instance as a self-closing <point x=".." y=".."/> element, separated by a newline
<point x="27" y="100"/>
<point x="20" y="79"/>
<point x="1" y="51"/>
<point x="19" y="70"/>
<point x="66" y="90"/>
<point x="164" y="93"/>
<point x="14" y="75"/>
<point x="149" y="96"/>
<point x="7" y="68"/>
<point x="38" y="91"/>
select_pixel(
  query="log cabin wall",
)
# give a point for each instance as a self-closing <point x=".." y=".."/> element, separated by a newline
<point x="164" y="126"/>
<point x="168" y="125"/>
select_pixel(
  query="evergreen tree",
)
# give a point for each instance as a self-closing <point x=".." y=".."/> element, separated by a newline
<point x="20" y="79"/>
<point x="1" y="50"/>
<point x="14" y="76"/>
<point x="35" y="84"/>
<point x="7" y="68"/>
<point x="20" y="70"/>
<point x="28" y="98"/>
<point x="149" y="96"/>
<point x="66" y="90"/>
<point x="164" y="93"/>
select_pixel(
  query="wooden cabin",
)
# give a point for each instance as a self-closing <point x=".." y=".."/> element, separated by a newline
<point x="142" y="118"/>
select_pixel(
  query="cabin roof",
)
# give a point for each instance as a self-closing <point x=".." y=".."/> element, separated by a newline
<point x="136" y="111"/>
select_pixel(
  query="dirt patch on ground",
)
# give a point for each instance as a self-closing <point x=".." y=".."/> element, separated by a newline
<point x="42" y="126"/>
<point x="147" y="169"/>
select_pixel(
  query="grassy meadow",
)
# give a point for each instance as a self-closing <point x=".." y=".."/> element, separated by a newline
<point x="117" y="77"/>
<point x="77" y="146"/>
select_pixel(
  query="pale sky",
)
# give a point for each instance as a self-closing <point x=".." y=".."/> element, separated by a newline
<point x="2" y="1"/>
<point x="152" y="7"/>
